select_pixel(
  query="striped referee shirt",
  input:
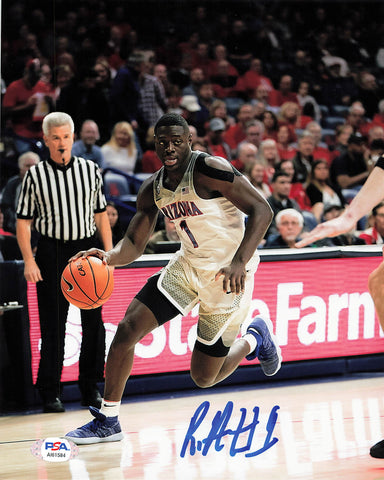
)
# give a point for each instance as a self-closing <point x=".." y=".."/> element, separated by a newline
<point x="62" y="199"/>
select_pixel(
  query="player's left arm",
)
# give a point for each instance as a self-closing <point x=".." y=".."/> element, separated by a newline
<point x="217" y="175"/>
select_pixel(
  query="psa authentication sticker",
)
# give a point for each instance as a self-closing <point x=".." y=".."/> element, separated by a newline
<point x="54" y="449"/>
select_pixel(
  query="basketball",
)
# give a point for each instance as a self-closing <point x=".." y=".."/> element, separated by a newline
<point x="87" y="282"/>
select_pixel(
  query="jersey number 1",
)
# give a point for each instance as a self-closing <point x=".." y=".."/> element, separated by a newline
<point x="184" y="226"/>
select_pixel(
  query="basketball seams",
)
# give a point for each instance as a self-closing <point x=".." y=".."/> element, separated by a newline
<point x="90" y="272"/>
<point x="93" y="277"/>
<point x="78" y="285"/>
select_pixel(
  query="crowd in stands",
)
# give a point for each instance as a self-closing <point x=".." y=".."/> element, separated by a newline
<point x="288" y="93"/>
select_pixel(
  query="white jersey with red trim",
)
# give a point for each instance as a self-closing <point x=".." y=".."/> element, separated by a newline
<point x="210" y="230"/>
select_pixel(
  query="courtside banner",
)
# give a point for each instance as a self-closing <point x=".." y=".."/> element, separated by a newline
<point x="320" y="308"/>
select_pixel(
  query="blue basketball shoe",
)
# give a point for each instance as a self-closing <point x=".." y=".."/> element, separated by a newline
<point x="100" y="429"/>
<point x="267" y="350"/>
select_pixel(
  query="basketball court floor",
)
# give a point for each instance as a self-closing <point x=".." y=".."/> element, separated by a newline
<point x="307" y="430"/>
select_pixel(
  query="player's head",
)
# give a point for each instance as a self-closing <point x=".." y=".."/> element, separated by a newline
<point x="171" y="119"/>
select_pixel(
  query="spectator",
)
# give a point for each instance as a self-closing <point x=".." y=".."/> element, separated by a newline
<point x="321" y="149"/>
<point x="289" y="226"/>
<point x="252" y="79"/>
<point x="173" y="100"/>
<point x="196" y="79"/>
<point x="378" y="118"/>
<point x="356" y="118"/>
<point x="369" y="93"/>
<point x="281" y="186"/>
<point x="271" y="125"/>
<point x="205" y="99"/>
<point x="376" y="132"/>
<point x="189" y="109"/>
<point x="104" y="76"/>
<point x="237" y="133"/>
<point x="269" y="155"/>
<point x="61" y="78"/>
<point x="220" y="53"/>
<point x="150" y="162"/>
<point x="202" y="59"/>
<point x="247" y="155"/>
<point x="375" y="235"/>
<point x="335" y="88"/>
<point x="84" y="100"/>
<point x="160" y="71"/>
<point x="121" y="151"/>
<point x="167" y="234"/>
<point x="219" y="110"/>
<point x="342" y="134"/>
<point x="25" y="103"/>
<point x="125" y="93"/>
<point x="290" y="115"/>
<point x="86" y="146"/>
<point x="303" y="158"/>
<point x="223" y="83"/>
<point x="320" y="191"/>
<point x="284" y="93"/>
<point x="350" y="171"/>
<point x="238" y="46"/>
<point x="256" y="172"/>
<point x="11" y="191"/>
<point x="297" y="191"/>
<point x="153" y="102"/>
<point x="215" y="142"/>
<point x="285" y="142"/>
<point x="261" y="94"/>
<point x="304" y="99"/>
<point x="376" y="149"/>
<point x="114" y="222"/>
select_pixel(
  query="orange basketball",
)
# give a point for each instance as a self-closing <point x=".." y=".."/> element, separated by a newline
<point x="87" y="282"/>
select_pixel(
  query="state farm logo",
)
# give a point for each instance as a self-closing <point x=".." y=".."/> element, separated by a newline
<point x="54" y="449"/>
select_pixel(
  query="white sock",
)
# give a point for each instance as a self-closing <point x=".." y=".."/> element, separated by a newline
<point x="248" y="337"/>
<point x="110" y="409"/>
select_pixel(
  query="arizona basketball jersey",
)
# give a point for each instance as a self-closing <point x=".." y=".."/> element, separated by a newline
<point x="210" y="230"/>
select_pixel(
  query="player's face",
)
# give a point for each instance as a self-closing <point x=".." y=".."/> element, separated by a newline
<point x="173" y="146"/>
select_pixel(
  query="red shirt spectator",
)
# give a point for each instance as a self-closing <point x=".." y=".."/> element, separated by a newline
<point x="21" y="102"/>
<point x="237" y="133"/>
<point x="284" y="93"/>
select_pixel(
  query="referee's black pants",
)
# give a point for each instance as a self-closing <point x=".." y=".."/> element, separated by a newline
<point x="52" y="257"/>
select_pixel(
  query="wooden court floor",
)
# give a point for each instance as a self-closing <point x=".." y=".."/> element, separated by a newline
<point x="308" y="431"/>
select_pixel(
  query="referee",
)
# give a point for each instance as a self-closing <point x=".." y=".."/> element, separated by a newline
<point x="62" y="198"/>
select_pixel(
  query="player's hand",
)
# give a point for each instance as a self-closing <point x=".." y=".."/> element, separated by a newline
<point x="234" y="278"/>
<point x="32" y="271"/>
<point x="333" y="227"/>
<point x="92" y="252"/>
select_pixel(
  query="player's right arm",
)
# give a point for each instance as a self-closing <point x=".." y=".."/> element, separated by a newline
<point x="139" y="230"/>
<point x="368" y="197"/>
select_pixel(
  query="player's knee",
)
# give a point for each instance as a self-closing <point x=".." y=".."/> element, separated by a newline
<point x="129" y="331"/>
<point x="202" y="380"/>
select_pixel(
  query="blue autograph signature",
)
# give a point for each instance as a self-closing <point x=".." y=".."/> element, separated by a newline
<point x="219" y="430"/>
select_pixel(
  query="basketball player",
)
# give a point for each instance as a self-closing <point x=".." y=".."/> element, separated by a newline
<point x="207" y="199"/>
<point x="368" y="197"/>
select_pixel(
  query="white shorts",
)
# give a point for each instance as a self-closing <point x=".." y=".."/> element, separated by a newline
<point x="220" y="314"/>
